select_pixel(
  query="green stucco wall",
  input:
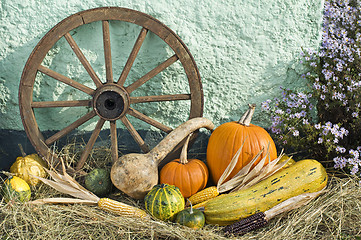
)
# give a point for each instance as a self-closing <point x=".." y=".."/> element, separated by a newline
<point x="244" y="50"/>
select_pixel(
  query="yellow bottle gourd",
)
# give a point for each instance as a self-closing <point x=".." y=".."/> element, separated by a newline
<point x="305" y="176"/>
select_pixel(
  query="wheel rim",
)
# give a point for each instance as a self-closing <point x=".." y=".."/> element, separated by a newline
<point x="110" y="100"/>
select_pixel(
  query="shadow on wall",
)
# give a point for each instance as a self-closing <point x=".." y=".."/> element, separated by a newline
<point x="10" y="140"/>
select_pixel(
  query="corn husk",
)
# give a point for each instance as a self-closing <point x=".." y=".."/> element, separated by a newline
<point x="292" y="203"/>
<point x="64" y="183"/>
<point x="248" y="176"/>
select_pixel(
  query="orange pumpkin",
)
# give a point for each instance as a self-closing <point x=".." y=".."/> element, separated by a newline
<point x="189" y="175"/>
<point x="226" y="139"/>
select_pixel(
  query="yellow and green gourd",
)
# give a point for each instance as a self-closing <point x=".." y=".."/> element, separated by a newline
<point x="15" y="189"/>
<point x="164" y="201"/>
<point x="305" y="176"/>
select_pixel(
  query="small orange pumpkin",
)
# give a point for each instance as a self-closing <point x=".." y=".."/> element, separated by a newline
<point x="226" y="139"/>
<point x="189" y="175"/>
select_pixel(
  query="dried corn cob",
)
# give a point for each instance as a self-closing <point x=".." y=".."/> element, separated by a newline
<point x="261" y="219"/>
<point x="121" y="208"/>
<point x="245" y="225"/>
<point x="204" y="195"/>
<point x="66" y="184"/>
<point x="212" y="192"/>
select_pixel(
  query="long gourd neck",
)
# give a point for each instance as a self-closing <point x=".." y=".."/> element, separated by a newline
<point x="159" y="152"/>
<point x="183" y="156"/>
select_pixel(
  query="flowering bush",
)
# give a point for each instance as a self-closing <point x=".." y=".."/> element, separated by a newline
<point x="323" y="120"/>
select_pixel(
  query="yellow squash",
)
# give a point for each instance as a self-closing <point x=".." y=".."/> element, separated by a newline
<point x="304" y="176"/>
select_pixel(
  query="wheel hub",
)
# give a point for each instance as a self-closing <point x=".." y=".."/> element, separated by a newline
<point x="111" y="101"/>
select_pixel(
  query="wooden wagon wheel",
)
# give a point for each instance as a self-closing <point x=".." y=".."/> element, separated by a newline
<point x="110" y="100"/>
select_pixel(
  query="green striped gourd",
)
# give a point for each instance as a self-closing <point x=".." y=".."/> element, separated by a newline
<point x="164" y="201"/>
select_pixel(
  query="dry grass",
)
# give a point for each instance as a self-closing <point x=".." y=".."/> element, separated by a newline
<point x="334" y="215"/>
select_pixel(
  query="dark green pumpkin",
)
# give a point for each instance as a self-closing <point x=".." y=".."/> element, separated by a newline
<point x="164" y="201"/>
<point x="190" y="217"/>
<point x="98" y="181"/>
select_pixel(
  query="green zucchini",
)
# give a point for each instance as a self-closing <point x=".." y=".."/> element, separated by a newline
<point x="304" y="176"/>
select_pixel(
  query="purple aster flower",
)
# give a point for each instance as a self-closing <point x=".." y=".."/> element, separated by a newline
<point x="316" y="86"/>
<point x="354" y="153"/>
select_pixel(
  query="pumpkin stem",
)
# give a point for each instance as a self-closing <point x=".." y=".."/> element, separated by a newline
<point x="247" y="116"/>
<point x="183" y="156"/>
<point x="191" y="211"/>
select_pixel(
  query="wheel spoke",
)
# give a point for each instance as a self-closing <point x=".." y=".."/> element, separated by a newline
<point x="151" y="74"/>
<point x="48" y="104"/>
<point x="114" y="140"/>
<point x="149" y="120"/>
<point x="174" y="97"/>
<point x="132" y="56"/>
<point x="66" y="80"/>
<point x="135" y="134"/>
<point x="69" y="128"/>
<point x="107" y="52"/>
<point x="90" y="144"/>
<point x="82" y="59"/>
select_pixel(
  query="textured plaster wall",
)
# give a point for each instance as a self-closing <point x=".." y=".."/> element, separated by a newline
<point x="244" y="50"/>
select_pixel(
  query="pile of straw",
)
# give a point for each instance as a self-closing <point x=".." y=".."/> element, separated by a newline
<point x="336" y="214"/>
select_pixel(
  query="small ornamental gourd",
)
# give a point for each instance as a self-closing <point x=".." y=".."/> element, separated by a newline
<point x="190" y="176"/>
<point x="98" y="181"/>
<point x="26" y="166"/>
<point x="164" y="201"/>
<point x="227" y="138"/>
<point x="15" y="189"/>
<point x="190" y="217"/>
